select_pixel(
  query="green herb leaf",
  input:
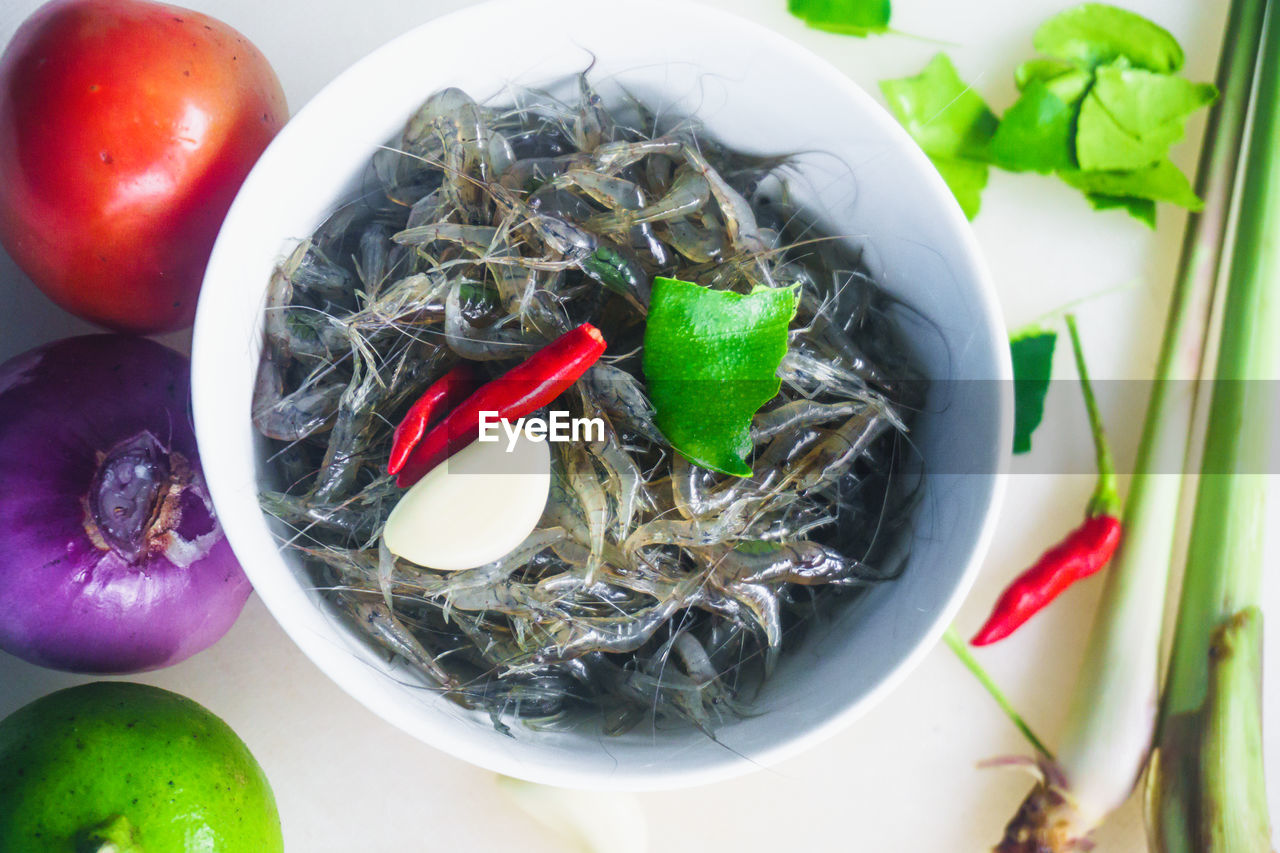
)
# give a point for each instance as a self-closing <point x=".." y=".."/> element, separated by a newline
<point x="847" y="17"/>
<point x="1161" y="181"/>
<point x="1040" y="69"/>
<point x="943" y="114"/>
<point x="1143" y="209"/>
<point x="1063" y="79"/>
<point x="1032" y="351"/>
<point x="1130" y="117"/>
<point x="966" y="179"/>
<point x="756" y="546"/>
<point x="1102" y="143"/>
<point x="710" y="362"/>
<point x="1036" y="133"/>
<point x="1094" y="34"/>
<point x="1101" y="110"/>
<point x="950" y="122"/>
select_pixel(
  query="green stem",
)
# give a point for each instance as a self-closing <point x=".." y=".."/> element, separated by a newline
<point x="1106" y="496"/>
<point x="961" y="648"/>
<point x="1194" y="808"/>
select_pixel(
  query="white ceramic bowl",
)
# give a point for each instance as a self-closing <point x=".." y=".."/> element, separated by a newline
<point x="754" y="90"/>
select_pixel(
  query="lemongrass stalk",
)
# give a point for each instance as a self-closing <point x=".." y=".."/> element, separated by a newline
<point x="1111" y="718"/>
<point x="1207" y="793"/>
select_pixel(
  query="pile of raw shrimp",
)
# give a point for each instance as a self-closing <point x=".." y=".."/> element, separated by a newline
<point x="482" y="233"/>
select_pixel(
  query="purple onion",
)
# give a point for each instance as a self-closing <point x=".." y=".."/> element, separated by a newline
<point x="111" y="558"/>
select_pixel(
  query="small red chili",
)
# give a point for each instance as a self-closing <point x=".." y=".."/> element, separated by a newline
<point x="447" y="389"/>
<point x="1083" y="552"/>
<point x="521" y="390"/>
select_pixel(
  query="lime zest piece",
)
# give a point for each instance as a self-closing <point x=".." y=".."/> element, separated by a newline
<point x="710" y="362"/>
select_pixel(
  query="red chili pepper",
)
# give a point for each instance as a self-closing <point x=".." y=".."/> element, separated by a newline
<point x="1084" y="551"/>
<point x="448" y="388"/>
<point x="521" y="390"/>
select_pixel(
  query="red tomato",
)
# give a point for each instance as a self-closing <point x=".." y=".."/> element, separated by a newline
<point x="126" y="128"/>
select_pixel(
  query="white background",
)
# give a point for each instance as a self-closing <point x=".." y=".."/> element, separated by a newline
<point x="904" y="777"/>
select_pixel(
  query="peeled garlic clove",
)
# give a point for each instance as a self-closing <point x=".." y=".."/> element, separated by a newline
<point x="474" y="507"/>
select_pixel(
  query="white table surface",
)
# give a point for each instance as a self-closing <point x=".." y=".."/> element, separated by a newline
<point x="903" y="778"/>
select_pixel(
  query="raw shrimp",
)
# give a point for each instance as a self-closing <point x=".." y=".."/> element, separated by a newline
<point x="688" y="193"/>
<point x="615" y="156"/>
<point x="617" y="270"/>
<point x="481" y="344"/>
<point x="807" y="563"/>
<point x="626" y="481"/>
<point x="835" y="454"/>
<point x="382" y="625"/>
<point x="612" y="192"/>
<point x="799" y="414"/>
<point x="450" y="128"/>
<point x="699" y="244"/>
<point x="739" y="218"/>
<point x="289" y="417"/>
<point x="763" y="604"/>
<point x="354" y="522"/>
<point x="651" y="589"/>
<point x="592" y="123"/>
<point x="620" y="394"/>
<point x="592" y="497"/>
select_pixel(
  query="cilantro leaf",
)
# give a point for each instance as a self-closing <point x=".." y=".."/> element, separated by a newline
<point x="1130" y="117"/>
<point x="1032" y="352"/>
<point x="847" y="17"/>
<point x="1094" y="34"/>
<point x="1161" y="181"/>
<point x="950" y="122"/>
<point x="1036" y="133"/>
<point x="710" y="362"/>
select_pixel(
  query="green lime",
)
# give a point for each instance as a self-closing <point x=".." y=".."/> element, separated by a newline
<point x="113" y="767"/>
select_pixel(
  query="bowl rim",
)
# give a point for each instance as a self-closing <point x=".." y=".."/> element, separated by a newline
<point x="279" y="591"/>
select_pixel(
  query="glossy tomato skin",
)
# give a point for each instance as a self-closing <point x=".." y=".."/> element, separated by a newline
<point x="126" y="128"/>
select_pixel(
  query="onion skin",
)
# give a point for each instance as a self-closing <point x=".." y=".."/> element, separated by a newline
<point x="68" y="598"/>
